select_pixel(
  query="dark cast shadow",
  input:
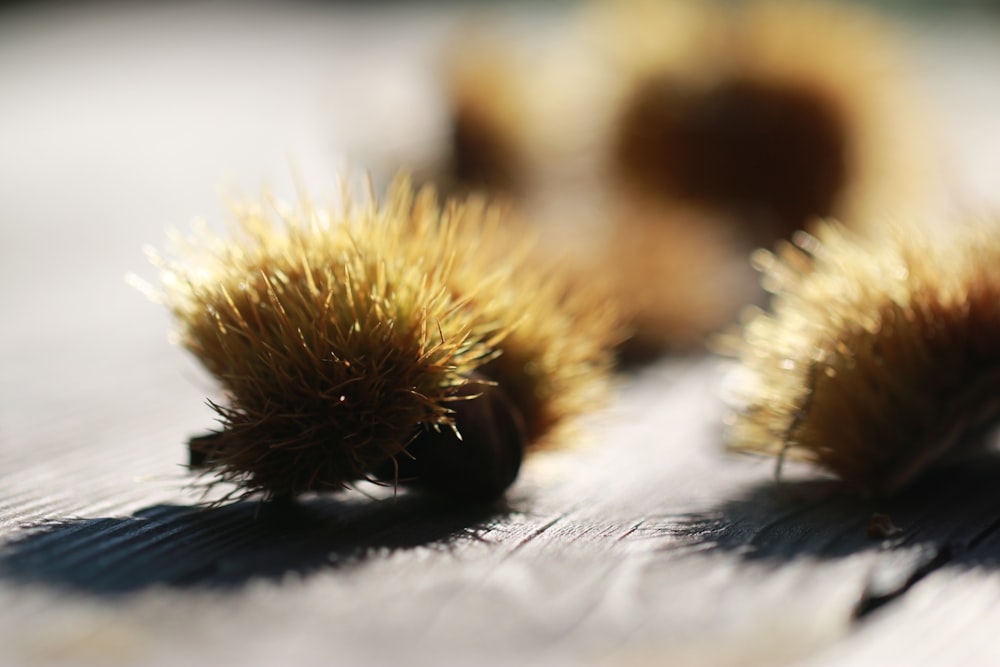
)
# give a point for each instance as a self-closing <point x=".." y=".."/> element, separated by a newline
<point x="956" y="505"/>
<point x="950" y="517"/>
<point x="226" y="546"/>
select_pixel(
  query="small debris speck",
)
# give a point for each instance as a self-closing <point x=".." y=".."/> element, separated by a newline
<point x="881" y="527"/>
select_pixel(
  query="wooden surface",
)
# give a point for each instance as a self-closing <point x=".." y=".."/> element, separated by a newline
<point x="646" y="545"/>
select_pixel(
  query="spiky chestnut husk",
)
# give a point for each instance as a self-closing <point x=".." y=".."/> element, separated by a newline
<point x="557" y="351"/>
<point x="776" y="111"/>
<point x="743" y="122"/>
<point x="878" y="356"/>
<point x="341" y="338"/>
<point x="771" y="152"/>
<point x="487" y="144"/>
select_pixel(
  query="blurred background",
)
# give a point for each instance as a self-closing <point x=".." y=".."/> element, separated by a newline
<point x="118" y="120"/>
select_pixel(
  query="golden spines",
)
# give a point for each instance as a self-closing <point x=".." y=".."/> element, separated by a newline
<point x="878" y="356"/>
<point x="339" y="337"/>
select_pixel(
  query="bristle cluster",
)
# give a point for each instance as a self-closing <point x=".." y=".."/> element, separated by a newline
<point x="340" y="336"/>
<point x="879" y="356"/>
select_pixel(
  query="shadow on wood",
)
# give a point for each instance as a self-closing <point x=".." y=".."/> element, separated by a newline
<point x="226" y="546"/>
<point x="956" y="506"/>
<point x="948" y="518"/>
